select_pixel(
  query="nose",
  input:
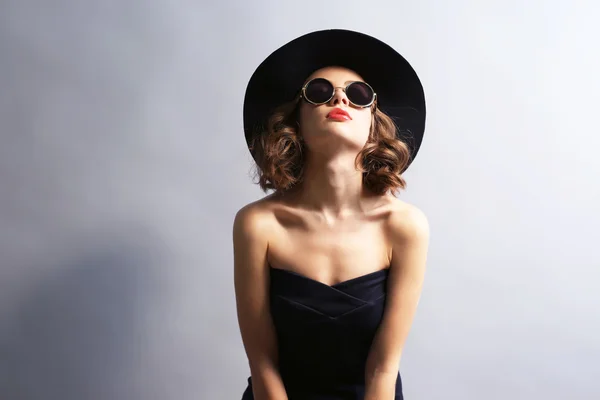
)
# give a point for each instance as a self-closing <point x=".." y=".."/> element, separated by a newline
<point x="339" y="97"/>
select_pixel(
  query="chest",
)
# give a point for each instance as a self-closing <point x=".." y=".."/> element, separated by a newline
<point x="330" y="253"/>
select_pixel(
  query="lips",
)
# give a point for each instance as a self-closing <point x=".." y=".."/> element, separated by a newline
<point x="339" y="115"/>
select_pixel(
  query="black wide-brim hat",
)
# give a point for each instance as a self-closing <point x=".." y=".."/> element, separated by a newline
<point x="279" y="78"/>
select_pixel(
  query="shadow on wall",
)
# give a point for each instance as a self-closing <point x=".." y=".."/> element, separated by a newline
<point x="79" y="333"/>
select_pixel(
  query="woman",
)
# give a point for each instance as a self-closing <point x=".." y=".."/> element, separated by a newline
<point x="329" y="267"/>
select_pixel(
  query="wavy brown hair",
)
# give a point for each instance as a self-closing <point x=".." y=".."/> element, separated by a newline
<point x="279" y="153"/>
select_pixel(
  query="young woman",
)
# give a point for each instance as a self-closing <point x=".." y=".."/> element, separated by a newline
<point x="329" y="267"/>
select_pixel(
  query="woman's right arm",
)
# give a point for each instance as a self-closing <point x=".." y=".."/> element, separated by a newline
<point x="251" y="281"/>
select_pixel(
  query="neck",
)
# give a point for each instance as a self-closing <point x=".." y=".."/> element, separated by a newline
<point x="333" y="186"/>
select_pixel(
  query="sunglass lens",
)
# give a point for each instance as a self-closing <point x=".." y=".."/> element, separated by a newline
<point x="359" y="93"/>
<point x="319" y="91"/>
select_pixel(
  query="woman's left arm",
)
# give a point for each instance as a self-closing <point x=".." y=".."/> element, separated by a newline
<point x="409" y="234"/>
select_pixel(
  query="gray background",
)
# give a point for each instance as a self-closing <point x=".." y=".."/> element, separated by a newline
<point x="122" y="164"/>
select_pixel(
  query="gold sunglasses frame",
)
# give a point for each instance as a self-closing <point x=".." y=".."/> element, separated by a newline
<point x="303" y="93"/>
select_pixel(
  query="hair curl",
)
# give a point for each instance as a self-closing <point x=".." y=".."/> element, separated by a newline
<point x="279" y="153"/>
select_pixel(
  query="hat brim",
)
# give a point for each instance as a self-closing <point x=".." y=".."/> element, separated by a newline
<point x="278" y="79"/>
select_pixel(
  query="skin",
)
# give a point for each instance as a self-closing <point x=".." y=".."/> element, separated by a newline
<point x="331" y="229"/>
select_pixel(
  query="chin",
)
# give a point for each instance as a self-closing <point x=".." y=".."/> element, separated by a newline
<point x="347" y="130"/>
<point x="342" y="136"/>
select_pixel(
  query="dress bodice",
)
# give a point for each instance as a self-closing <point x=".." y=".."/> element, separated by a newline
<point x="324" y="333"/>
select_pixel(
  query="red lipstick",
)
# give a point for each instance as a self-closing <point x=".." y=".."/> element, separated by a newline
<point x="338" y="114"/>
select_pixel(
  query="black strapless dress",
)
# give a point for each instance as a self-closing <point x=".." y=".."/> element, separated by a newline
<point x="324" y="334"/>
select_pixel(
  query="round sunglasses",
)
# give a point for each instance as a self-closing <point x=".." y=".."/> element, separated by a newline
<point x="320" y="91"/>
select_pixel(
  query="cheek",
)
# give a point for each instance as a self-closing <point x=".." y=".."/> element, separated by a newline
<point x="307" y="115"/>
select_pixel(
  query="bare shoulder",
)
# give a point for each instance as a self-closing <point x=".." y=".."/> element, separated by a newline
<point x="258" y="219"/>
<point x="255" y="219"/>
<point x="406" y="222"/>
<point x="252" y="232"/>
